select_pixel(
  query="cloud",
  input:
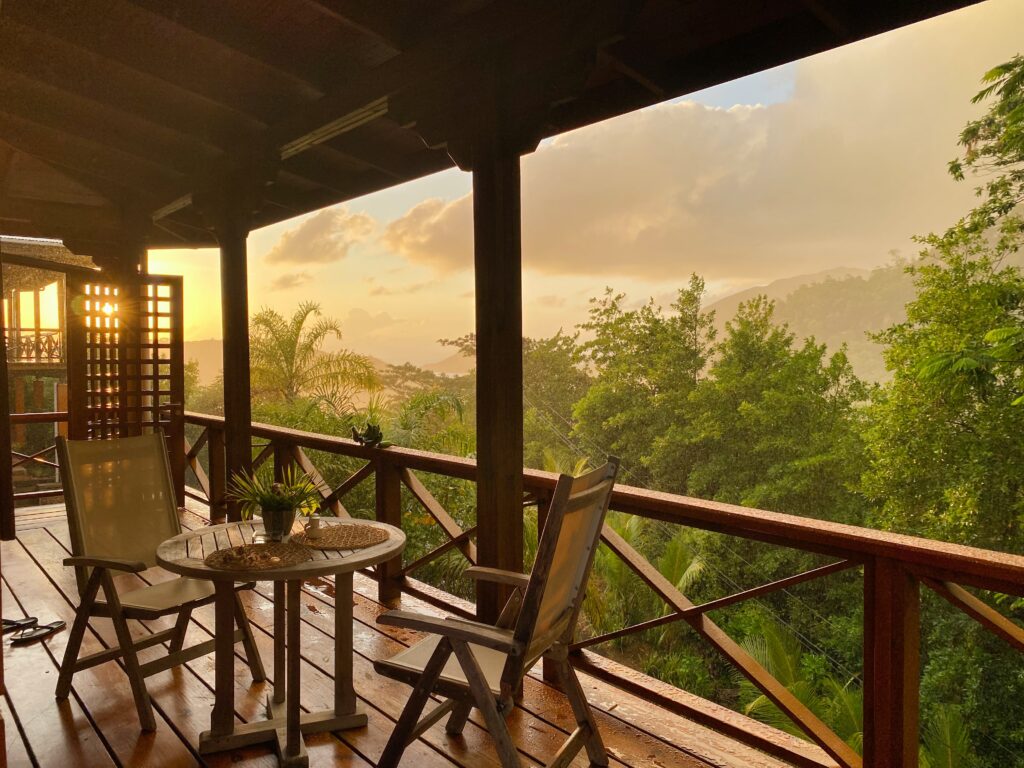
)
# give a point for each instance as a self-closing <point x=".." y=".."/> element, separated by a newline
<point x="359" y="323"/>
<point x="325" y="237"/>
<point x="846" y="170"/>
<point x="290" y="280"/>
<point x="376" y="289"/>
<point x="435" y="233"/>
<point x="551" y="301"/>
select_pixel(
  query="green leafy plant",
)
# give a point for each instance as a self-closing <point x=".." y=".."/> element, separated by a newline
<point x="296" y="491"/>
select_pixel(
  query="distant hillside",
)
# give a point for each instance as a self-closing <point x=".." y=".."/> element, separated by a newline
<point x="209" y="353"/>
<point x="453" y="365"/>
<point x="835" y="307"/>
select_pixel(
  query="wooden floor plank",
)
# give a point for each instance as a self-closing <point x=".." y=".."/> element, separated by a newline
<point x="535" y="738"/>
<point x="60" y="733"/>
<point x="181" y="695"/>
<point x="102" y="690"/>
<point x="635" y="735"/>
<point x="15" y="747"/>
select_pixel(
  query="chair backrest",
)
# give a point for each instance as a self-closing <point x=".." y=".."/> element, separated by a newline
<point x="565" y="555"/>
<point x="119" y="497"/>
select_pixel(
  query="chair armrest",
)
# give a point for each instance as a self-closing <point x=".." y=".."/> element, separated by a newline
<point x="456" y="629"/>
<point x="113" y="563"/>
<point x="498" y="576"/>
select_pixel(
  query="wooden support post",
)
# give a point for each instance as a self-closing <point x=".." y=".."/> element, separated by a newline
<point x="228" y="205"/>
<point x="232" y="230"/>
<point x="217" y="473"/>
<point x="6" y="477"/>
<point x="499" y="367"/>
<point x="389" y="510"/>
<point x="892" y="646"/>
<point x="60" y="403"/>
<point x="19" y="407"/>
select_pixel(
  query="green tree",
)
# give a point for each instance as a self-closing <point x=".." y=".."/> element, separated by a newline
<point x="945" y="459"/>
<point x="994" y="146"/>
<point x="772" y="426"/>
<point x="645" y="365"/>
<point x="288" y="360"/>
<point x="554" y="380"/>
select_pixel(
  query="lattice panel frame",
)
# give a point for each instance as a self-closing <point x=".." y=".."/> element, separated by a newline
<point x="126" y="361"/>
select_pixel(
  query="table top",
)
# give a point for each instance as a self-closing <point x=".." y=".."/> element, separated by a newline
<point x="184" y="554"/>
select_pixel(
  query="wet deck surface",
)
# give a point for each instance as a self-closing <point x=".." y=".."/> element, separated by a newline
<point x="97" y="725"/>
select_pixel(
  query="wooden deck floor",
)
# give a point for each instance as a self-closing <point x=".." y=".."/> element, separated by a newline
<point x="97" y="726"/>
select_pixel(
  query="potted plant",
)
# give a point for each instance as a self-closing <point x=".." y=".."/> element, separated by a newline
<point x="276" y="502"/>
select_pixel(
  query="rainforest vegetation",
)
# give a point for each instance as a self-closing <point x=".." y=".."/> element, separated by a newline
<point x="750" y="413"/>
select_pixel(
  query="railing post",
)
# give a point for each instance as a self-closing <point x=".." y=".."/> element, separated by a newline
<point x="218" y="473"/>
<point x="892" y="647"/>
<point x="284" y="457"/>
<point x="389" y="510"/>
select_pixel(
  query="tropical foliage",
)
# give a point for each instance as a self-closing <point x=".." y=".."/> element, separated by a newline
<point x="750" y="412"/>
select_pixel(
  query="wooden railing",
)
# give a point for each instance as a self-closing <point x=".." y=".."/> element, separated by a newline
<point x="45" y="457"/>
<point x="894" y="567"/>
<point x="34" y="345"/>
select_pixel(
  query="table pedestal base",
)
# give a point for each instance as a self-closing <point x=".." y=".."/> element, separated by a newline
<point x="275" y="729"/>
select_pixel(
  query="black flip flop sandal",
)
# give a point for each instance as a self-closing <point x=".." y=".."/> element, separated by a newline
<point x="37" y="633"/>
<point x="10" y="625"/>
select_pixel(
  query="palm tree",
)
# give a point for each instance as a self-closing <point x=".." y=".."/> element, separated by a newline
<point x="288" y="361"/>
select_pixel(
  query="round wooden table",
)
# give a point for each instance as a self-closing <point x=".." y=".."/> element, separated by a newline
<point x="184" y="554"/>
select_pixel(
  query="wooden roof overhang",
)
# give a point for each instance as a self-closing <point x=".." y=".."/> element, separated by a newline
<point x="120" y="114"/>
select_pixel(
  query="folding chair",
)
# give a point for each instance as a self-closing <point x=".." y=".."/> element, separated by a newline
<point x="121" y="506"/>
<point x="474" y="664"/>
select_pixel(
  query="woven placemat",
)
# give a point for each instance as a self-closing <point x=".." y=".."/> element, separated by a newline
<point x="258" y="557"/>
<point x="343" y="536"/>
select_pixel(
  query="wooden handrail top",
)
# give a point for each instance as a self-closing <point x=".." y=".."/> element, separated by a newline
<point x="986" y="569"/>
<point x="39" y="418"/>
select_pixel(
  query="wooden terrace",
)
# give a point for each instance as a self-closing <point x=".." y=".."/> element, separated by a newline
<point x="130" y="125"/>
<point x="92" y="728"/>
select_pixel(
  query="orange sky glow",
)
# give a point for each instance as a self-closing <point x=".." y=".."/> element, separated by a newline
<point x="839" y="166"/>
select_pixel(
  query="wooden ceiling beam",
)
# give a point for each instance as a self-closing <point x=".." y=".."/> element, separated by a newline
<point x="223" y="25"/>
<point x="59" y="148"/>
<point x="385" y="20"/>
<point x="79" y="119"/>
<point x="834" y="14"/>
<point x="62" y="215"/>
<point x="6" y="158"/>
<point x="528" y="28"/>
<point x="196" y="66"/>
<point x="119" y="89"/>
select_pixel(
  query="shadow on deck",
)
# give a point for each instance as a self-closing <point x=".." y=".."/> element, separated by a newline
<point x="97" y="725"/>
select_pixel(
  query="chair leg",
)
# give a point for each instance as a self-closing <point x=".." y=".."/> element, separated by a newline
<point x="406" y="724"/>
<point x="180" y="629"/>
<point x="485" y="702"/>
<point x="67" y="666"/>
<point x="457" y="720"/>
<point x="131" y="659"/>
<point x="584" y="715"/>
<point x="252" y="652"/>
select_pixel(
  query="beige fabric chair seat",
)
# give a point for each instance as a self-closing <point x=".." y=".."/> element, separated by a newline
<point x="415" y="659"/>
<point x="481" y="665"/>
<point x="167" y="596"/>
<point x="121" y="506"/>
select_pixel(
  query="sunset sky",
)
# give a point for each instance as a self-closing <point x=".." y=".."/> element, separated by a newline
<point x="832" y="161"/>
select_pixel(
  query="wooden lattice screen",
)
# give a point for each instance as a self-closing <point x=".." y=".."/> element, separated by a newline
<point x="126" y="361"/>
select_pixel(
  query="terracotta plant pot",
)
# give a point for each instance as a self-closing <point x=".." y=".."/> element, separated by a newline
<point x="277" y="523"/>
